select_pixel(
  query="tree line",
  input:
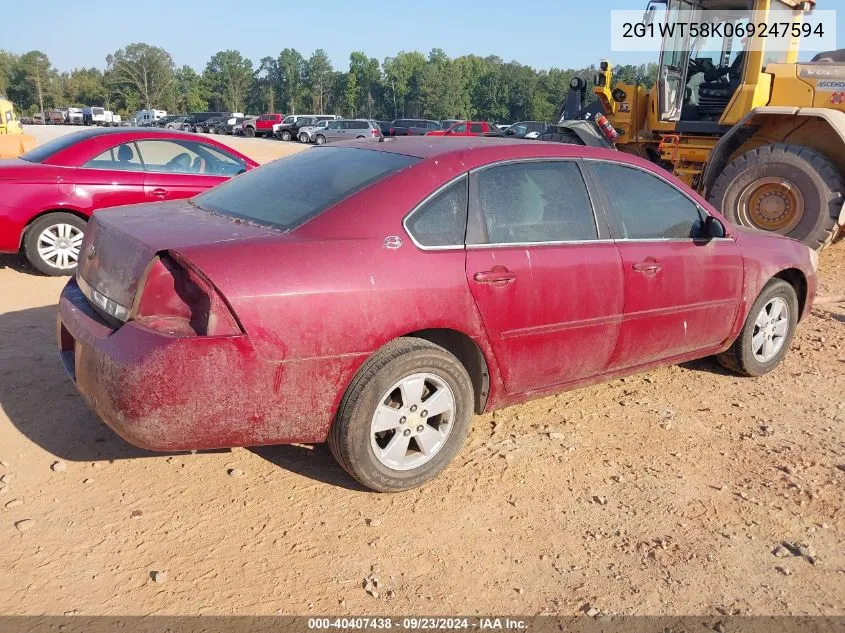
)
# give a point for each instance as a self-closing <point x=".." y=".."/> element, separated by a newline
<point x="410" y="84"/>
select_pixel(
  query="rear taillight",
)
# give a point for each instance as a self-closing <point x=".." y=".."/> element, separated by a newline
<point x="178" y="300"/>
<point x="375" y="132"/>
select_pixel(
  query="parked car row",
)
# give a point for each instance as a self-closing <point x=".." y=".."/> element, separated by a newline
<point x="89" y="115"/>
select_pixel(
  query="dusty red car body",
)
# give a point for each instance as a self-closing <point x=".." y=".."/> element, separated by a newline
<point x="314" y="304"/>
<point x="29" y="190"/>
<point x="464" y="128"/>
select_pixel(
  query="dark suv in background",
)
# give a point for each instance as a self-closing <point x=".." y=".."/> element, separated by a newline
<point x="196" y="121"/>
<point x="413" y="127"/>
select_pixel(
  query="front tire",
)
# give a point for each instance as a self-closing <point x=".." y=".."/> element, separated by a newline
<point x="767" y="333"/>
<point x="320" y="140"/>
<point x="404" y="417"/>
<point x="303" y="138"/>
<point x="786" y="189"/>
<point x="249" y="132"/>
<point x="52" y="243"/>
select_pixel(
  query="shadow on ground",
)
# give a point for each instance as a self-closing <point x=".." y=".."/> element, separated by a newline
<point x="313" y="461"/>
<point x="18" y="263"/>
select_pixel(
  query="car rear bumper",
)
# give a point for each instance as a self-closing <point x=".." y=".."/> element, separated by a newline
<point x="166" y="393"/>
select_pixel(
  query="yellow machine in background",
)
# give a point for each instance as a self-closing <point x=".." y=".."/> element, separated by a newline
<point x="759" y="134"/>
<point x="13" y="141"/>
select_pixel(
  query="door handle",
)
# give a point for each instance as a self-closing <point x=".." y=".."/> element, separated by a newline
<point x="497" y="274"/>
<point x="159" y="193"/>
<point x="650" y="265"/>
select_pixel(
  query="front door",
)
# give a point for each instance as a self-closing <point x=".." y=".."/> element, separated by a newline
<point x="112" y="178"/>
<point x="181" y="169"/>
<point x="682" y="292"/>
<point x="545" y="278"/>
<point x="674" y="59"/>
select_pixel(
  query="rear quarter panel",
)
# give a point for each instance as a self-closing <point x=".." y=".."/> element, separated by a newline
<point x="23" y="199"/>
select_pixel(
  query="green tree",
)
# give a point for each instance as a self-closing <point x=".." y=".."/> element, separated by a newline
<point x="229" y="76"/>
<point x="190" y="92"/>
<point x="290" y="70"/>
<point x="318" y="76"/>
<point x="7" y="64"/>
<point x="350" y="93"/>
<point x="34" y="80"/>
<point x="143" y="69"/>
<point x="402" y="78"/>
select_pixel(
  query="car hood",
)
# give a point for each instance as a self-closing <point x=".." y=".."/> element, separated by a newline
<point x="122" y="242"/>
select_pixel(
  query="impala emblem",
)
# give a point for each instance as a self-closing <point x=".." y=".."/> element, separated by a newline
<point x="92" y="250"/>
<point x="392" y="242"/>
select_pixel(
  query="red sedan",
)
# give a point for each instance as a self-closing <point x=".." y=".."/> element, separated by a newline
<point x="48" y="194"/>
<point x="468" y="128"/>
<point x="398" y="287"/>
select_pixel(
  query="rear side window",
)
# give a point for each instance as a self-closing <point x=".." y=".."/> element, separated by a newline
<point x="649" y="208"/>
<point x="360" y="125"/>
<point x="442" y="220"/>
<point x="123" y="157"/>
<point x="476" y="128"/>
<point x="288" y="192"/>
<point x="535" y="202"/>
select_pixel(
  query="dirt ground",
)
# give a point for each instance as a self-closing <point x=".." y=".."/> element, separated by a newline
<point x="670" y="492"/>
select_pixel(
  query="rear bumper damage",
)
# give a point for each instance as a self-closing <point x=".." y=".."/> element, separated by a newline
<point x="167" y="393"/>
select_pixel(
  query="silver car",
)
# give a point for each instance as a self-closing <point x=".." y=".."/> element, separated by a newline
<point x="345" y="129"/>
<point x="308" y="132"/>
<point x="175" y="124"/>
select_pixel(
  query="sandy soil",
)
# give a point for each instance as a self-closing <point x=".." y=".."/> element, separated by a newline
<point x="666" y="493"/>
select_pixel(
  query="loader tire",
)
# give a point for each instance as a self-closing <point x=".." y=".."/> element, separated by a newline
<point x="787" y="189"/>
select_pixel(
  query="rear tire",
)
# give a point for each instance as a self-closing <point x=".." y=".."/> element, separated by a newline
<point x="808" y="200"/>
<point x="384" y="389"/>
<point x="746" y="356"/>
<point x="286" y="135"/>
<point x="249" y="132"/>
<point x="52" y="243"/>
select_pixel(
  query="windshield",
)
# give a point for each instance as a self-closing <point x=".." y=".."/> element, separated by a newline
<point x="288" y="192"/>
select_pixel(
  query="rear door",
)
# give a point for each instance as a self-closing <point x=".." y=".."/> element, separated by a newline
<point x="682" y="292"/>
<point x="183" y="169"/>
<point x="114" y="177"/>
<point x="544" y="274"/>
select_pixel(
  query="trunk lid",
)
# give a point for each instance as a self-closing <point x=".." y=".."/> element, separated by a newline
<point x="120" y="243"/>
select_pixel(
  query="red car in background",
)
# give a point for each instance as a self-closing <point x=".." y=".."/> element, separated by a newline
<point x="48" y="193"/>
<point x="468" y="128"/>
<point x="375" y="295"/>
<point x="264" y="125"/>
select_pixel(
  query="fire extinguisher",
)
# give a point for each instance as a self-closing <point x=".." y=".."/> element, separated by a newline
<point x="606" y="128"/>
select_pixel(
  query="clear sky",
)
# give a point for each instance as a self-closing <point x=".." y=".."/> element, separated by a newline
<point x="542" y="34"/>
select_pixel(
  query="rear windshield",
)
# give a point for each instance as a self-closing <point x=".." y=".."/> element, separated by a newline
<point x="288" y="192"/>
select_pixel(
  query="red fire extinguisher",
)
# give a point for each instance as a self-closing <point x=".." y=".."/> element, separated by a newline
<point x="607" y="129"/>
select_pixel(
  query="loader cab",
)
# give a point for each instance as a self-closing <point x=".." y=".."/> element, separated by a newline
<point x="699" y="77"/>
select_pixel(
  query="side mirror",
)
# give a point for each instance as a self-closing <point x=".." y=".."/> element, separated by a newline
<point x="510" y="132"/>
<point x="713" y="228"/>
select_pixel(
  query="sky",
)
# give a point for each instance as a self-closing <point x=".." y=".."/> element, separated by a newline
<point x="542" y="34"/>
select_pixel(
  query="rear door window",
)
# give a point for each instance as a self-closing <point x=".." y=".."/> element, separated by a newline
<point x="476" y="128"/>
<point x="650" y="208"/>
<point x="287" y="193"/>
<point x="359" y="125"/>
<point x="535" y="202"/>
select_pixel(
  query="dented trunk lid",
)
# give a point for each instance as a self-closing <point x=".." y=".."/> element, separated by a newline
<point x="120" y="243"/>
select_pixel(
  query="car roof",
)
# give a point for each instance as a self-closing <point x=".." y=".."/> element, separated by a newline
<point x="487" y="149"/>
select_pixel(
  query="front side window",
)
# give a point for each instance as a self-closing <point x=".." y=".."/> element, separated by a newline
<point x="187" y="157"/>
<point x="442" y="220"/>
<point x="123" y="157"/>
<point x="459" y="129"/>
<point x="286" y="193"/>
<point x="535" y="202"/>
<point x="646" y="207"/>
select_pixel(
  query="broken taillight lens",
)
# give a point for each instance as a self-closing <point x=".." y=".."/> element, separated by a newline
<point x="178" y="300"/>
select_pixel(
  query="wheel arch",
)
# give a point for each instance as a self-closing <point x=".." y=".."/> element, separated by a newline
<point x="798" y="281"/>
<point x="467" y="351"/>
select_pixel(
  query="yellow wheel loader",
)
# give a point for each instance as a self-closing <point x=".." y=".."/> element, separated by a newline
<point x="759" y="134"/>
<point x="13" y="141"/>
